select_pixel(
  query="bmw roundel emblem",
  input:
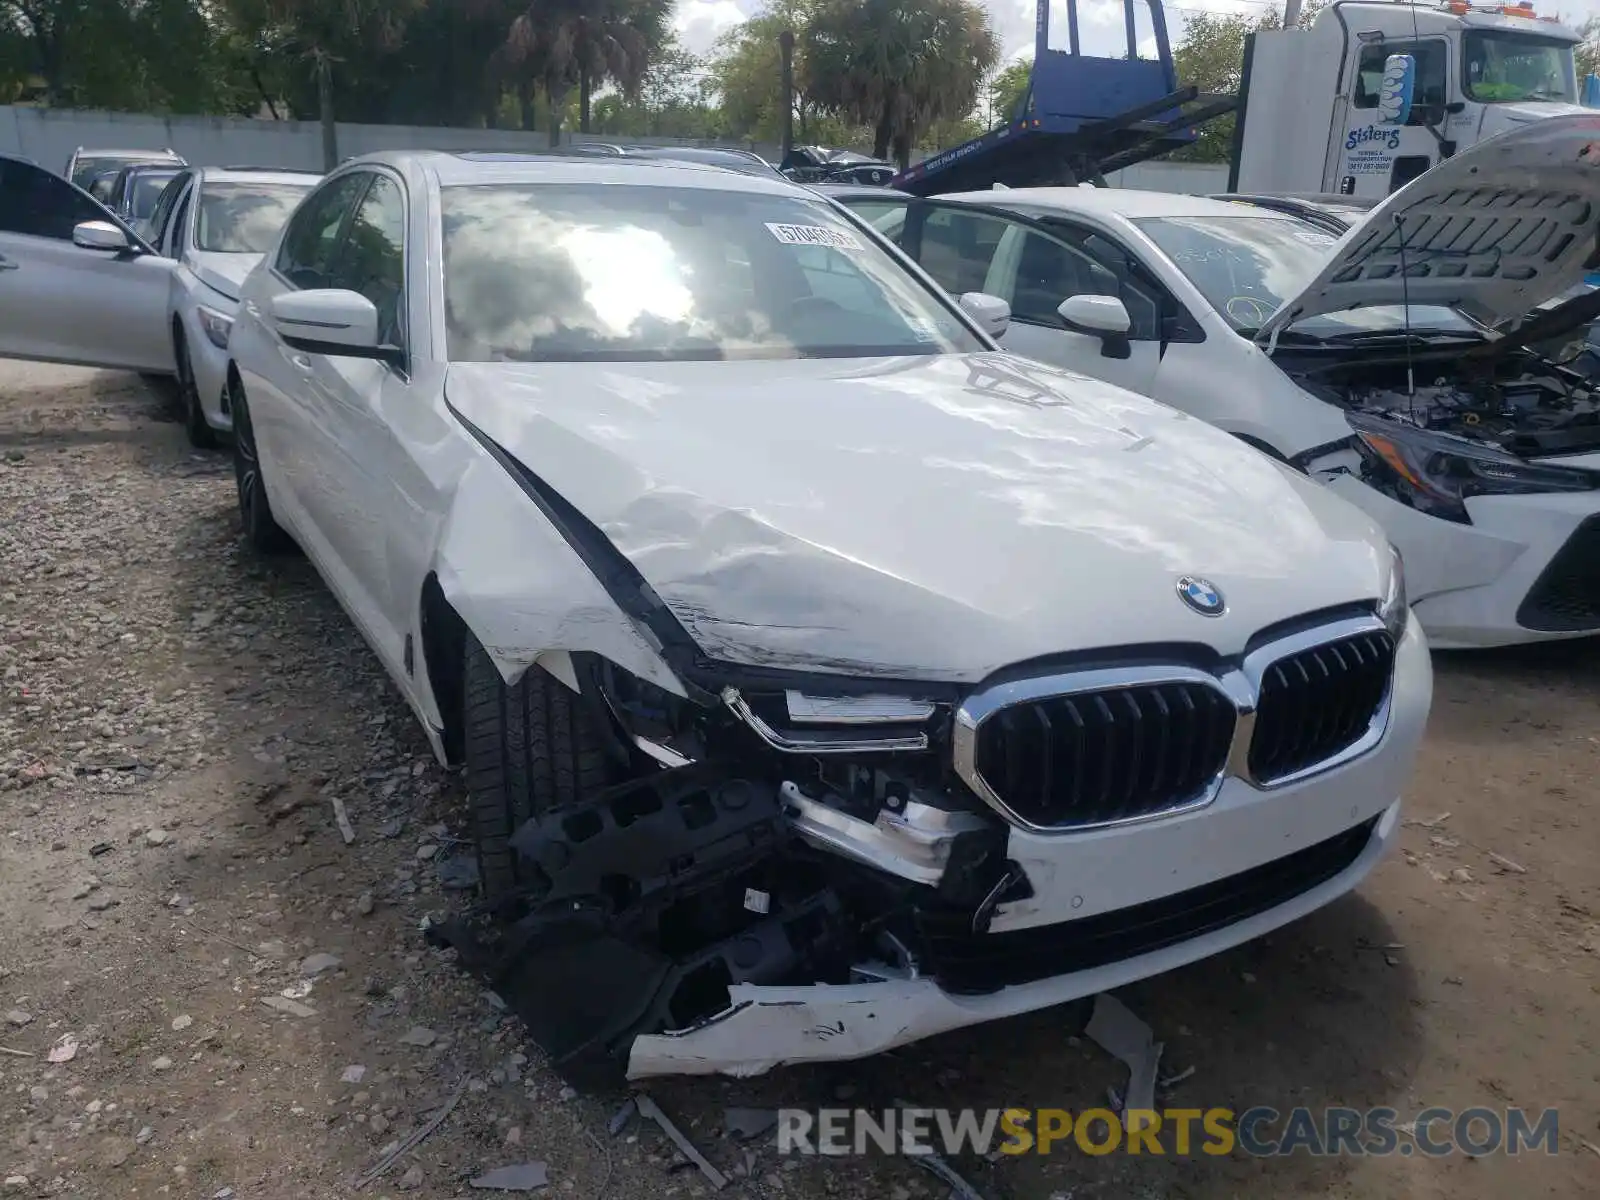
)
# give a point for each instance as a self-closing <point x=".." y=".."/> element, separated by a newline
<point x="1201" y="595"/>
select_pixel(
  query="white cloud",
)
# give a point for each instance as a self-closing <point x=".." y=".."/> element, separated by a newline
<point x="700" y="22"/>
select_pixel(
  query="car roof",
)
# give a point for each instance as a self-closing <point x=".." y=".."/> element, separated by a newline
<point x="468" y="167"/>
<point x="153" y="156"/>
<point x="1105" y="202"/>
<point x="858" y="191"/>
<point x="287" y="175"/>
<point x="1323" y="201"/>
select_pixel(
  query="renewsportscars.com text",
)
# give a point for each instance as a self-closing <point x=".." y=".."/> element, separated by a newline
<point x="1258" y="1132"/>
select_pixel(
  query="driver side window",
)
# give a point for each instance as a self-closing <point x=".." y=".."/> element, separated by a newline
<point x="305" y="256"/>
<point x="1432" y="87"/>
<point x="38" y="204"/>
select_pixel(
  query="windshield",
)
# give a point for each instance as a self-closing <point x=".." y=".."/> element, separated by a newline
<point x="1247" y="266"/>
<point x="145" y="190"/>
<point x="1500" y="67"/>
<point x="583" y="273"/>
<point x="244" y="218"/>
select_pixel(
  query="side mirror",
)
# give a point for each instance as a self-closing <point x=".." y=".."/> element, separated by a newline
<point x="100" y="235"/>
<point x="1397" y="88"/>
<point x="331" y="321"/>
<point x="991" y="312"/>
<point x="1104" y="317"/>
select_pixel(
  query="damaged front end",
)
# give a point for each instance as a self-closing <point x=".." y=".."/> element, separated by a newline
<point x="769" y="837"/>
<point x="1439" y="427"/>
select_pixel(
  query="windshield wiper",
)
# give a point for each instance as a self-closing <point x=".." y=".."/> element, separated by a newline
<point x="1424" y="336"/>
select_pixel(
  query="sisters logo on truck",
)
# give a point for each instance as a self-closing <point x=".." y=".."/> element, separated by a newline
<point x="1387" y="135"/>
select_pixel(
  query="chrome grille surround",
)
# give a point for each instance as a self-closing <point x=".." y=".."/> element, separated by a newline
<point x="1239" y="682"/>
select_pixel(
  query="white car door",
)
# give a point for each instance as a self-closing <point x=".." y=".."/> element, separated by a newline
<point x="350" y="406"/>
<point x="287" y="416"/>
<point x="62" y="302"/>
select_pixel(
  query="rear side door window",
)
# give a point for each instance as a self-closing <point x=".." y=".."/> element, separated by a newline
<point x="306" y="254"/>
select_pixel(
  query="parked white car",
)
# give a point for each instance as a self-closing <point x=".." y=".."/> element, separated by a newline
<point x="1484" y="473"/>
<point x="215" y="223"/>
<point x="959" y="684"/>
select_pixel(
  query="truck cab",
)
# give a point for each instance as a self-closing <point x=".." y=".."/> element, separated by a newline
<point x="1479" y="70"/>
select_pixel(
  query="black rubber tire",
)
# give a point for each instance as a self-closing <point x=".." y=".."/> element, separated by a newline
<point x="261" y="529"/>
<point x="201" y="435"/>
<point x="530" y="748"/>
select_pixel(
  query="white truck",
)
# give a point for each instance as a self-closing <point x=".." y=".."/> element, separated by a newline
<point x="1309" y="117"/>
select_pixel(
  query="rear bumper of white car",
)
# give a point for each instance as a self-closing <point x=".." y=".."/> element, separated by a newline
<point x="1182" y="889"/>
<point x="1527" y="569"/>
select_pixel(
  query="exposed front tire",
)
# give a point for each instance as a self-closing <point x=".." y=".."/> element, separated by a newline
<point x="261" y="530"/>
<point x="530" y="748"/>
<point x="201" y="435"/>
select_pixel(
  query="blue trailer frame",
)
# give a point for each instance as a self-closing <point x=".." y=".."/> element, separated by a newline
<point x="1082" y="115"/>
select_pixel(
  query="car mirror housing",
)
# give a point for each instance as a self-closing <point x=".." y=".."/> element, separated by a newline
<point x="1104" y="317"/>
<point x="991" y="312"/>
<point x="332" y="321"/>
<point x="100" y="235"/>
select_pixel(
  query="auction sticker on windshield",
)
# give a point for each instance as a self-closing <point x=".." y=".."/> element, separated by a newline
<point x="813" y="235"/>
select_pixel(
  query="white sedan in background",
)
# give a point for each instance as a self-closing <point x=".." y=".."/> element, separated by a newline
<point x="1480" y="459"/>
<point x="214" y="223"/>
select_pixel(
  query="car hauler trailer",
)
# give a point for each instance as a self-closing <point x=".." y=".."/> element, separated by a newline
<point x="1309" y="117"/>
<point x="1082" y="116"/>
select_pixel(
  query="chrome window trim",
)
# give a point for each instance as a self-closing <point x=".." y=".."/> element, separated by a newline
<point x="1241" y="684"/>
<point x="802" y="745"/>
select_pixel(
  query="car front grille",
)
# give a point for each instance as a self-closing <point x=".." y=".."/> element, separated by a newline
<point x="1566" y="596"/>
<point x="1103" y="746"/>
<point x="1096" y="757"/>
<point x="964" y="962"/>
<point x="1317" y="703"/>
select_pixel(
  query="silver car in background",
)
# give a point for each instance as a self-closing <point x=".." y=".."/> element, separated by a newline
<point x="215" y="223"/>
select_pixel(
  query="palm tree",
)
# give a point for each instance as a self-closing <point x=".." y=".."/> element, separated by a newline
<point x="899" y="65"/>
<point x="562" y="44"/>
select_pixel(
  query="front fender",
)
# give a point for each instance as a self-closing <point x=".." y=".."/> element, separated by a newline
<point x="523" y="591"/>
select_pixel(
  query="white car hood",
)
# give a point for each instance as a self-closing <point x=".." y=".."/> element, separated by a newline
<point x="927" y="517"/>
<point x="1495" y="231"/>
<point x="223" y="273"/>
<point x="1520" y="113"/>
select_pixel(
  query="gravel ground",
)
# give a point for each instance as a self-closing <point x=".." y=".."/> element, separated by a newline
<point x="176" y="719"/>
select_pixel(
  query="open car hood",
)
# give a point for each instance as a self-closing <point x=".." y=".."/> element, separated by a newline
<point x="1494" y="231"/>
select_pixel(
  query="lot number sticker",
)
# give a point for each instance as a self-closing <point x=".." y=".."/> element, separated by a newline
<point x="813" y="235"/>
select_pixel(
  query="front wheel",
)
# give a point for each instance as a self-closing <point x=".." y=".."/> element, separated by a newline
<point x="201" y="435"/>
<point x="530" y="747"/>
<point x="261" y="530"/>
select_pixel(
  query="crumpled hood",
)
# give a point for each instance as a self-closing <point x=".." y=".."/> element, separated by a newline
<point x="224" y="273"/>
<point x="924" y="517"/>
<point x="1494" y="231"/>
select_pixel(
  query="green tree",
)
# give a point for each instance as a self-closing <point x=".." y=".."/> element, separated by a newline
<point x="898" y="65"/>
<point x="575" y="44"/>
<point x="747" y="74"/>
<point x="676" y="99"/>
<point x="1006" y="89"/>
<point x="1587" y="52"/>
<point x="1210" y="55"/>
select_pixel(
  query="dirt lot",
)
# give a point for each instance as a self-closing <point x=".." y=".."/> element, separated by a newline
<point x="175" y="721"/>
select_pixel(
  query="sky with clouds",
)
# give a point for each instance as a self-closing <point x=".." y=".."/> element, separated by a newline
<point x="700" y="22"/>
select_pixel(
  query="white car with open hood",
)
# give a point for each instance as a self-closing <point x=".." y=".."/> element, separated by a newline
<point x="1479" y="457"/>
<point x="826" y="677"/>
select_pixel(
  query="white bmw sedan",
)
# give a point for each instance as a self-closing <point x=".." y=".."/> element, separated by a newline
<point x="826" y="677"/>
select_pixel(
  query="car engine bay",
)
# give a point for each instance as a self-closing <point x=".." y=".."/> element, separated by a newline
<point x="1519" y="403"/>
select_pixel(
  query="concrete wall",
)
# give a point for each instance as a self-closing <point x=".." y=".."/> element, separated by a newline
<point x="1198" y="178"/>
<point x="49" y="136"/>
